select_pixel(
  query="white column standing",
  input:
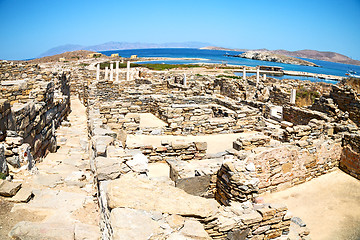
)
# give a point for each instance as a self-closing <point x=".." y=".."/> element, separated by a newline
<point x="244" y="73"/>
<point x="128" y="71"/>
<point x="117" y="71"/>
<point x="264" y="77"/>
<point x="257" y="75"/>
<point x="184" y="81"/>
<point x="106" y="73"/>
<point x="98" y="72"/>
<point x="111" y="71"/>
<point x="293" y="96"/>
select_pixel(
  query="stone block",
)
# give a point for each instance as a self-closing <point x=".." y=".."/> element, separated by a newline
<point x="107" y="168"/>
<point x="266" y="212"/>
<point x="197" y="186"/>
<point x="22" y="196"/>
<point x="9" y="189"/>
<point x="17" y="141"/>
<point x="178" y="145"/>
<point x="251" y="218"/>
<point x="201" y="146"/>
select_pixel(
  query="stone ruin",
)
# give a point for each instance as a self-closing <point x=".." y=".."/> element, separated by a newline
<point x="206" y="196"/>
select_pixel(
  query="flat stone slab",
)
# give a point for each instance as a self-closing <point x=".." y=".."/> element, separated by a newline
<point x="23" y="195"/>
<point x="143" y="194"/>
<point x="48" y="180"/>
<point x="38" y="231"/>
<point x="133" y="224"/>
<point x="9" y="189"/>
<point x="54" y="231"/>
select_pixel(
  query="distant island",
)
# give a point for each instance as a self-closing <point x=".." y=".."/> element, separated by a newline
<point x="310" y="54"/>
<point x="108" y="46"/>
<point x="273" y="57"/>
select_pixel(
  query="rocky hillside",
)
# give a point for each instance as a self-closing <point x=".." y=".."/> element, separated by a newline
<point x="311" y="54"/>
<point x="318" y="55"/>
<point x="69" y="56"/>
<point x="273" y="57"/>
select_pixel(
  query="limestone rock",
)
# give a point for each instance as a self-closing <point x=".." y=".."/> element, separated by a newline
<point x="139" y="163"/>
<point x="23" y="195"/>
<point x="139" y="193"/>
<point x="194" y="230"/>
<point x="107" y="168"/>
<point x="9" y="189"/>
<point x="3" y="165"/>
<point x="252" y="217"/>
<point x="39" y="231"/>
<point x="128" y="224"/>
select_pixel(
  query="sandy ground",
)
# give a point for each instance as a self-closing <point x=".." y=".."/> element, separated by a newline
<point x="329" y="205"/>
<point x="216" y="142"/>
<point x="151" y="121"/>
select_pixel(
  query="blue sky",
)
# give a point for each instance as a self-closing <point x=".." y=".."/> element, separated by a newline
<point x="29" y="28"/>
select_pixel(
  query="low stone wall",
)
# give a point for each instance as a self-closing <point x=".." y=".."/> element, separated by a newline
<point x="236" y="182"/>
<point x="301" y="116"/>
<point x="287" y="165"/>
<point x="347" y="101"/>
<point x="174" y="150"/>
<point x="350" y="156"/>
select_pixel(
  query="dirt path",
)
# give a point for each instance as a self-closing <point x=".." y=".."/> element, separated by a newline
<point x="63" y="205"/>
<point x="329" y="205"/>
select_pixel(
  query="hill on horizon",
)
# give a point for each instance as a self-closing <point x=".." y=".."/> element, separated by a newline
<point x="119" y="46"/>
<point x="306" y="53"/>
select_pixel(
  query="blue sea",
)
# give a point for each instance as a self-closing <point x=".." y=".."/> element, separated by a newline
<point x="217" y="56"/>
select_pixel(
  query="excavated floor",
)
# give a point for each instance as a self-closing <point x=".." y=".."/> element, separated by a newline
<point x="329" y="205"/>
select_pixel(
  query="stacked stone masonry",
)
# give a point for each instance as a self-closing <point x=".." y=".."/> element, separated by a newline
<point x="36" y="103"/>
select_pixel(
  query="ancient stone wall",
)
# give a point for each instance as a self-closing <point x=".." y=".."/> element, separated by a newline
<point x="350" y="156"/>
<point x="29" y="121"/>
<point x="347" y="100"/>
<point x="174" y="150"/>
<point x="278" y="96"/>
<point x="302" y="116"/>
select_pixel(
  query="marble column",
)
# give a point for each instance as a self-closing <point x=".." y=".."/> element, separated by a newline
<point x="184" y="81"/>
<point x="257" y="75"/>
<point x="264" y="77"/>
<point x="244" y="73"/>
<point x="106" y="73"/>
<point x="117" y="71"/>
<point x="98" y="72"/>
<point x="111" y="71"/>
<point x="128" y="71"/>
<point x="293" y="96"/>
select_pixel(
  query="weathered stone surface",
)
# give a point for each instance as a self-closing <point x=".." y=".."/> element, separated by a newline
<point x="132" y="224"/>
<point x="139" y="163"/>
<point x="40" y="231"/>
<point x="9" y="189"/>
<point x="195" y="186"/>
<point x="180" y="145"/>
<point x="3" y="165"/>
<point x="267" y="213"/>
<point x="194" y="230"/>
<point x="48" y="180"/>
<point x="201" y="146"/>
<point x="23" y="195"/>
<point x="134" y="192"/>
<point x="107" y="168"/>
<point x="250" y="218"/>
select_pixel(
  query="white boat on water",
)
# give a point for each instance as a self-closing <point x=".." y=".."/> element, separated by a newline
<point x="353" y="74"/>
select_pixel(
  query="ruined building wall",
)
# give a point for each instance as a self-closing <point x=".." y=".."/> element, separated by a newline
<point x="302" y="116"/>
<point x="350" y="157"/>
<point x="347" y="101"/>
<point x="32" y="122"/>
